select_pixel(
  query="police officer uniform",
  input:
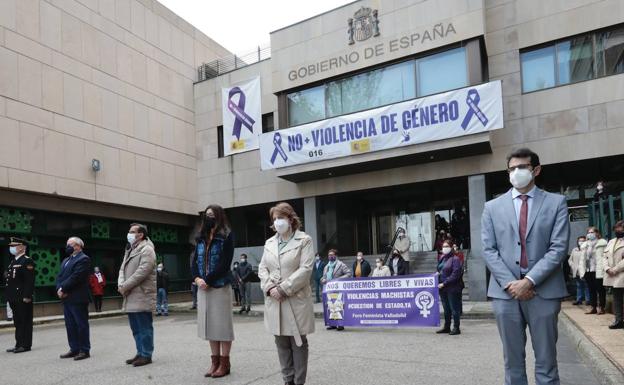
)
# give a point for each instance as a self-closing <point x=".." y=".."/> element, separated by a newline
<point x="19" y="292"/>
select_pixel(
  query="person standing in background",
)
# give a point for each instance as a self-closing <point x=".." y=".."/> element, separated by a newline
<point x="236" y="282"/>
<point x="162" y="285"/>
<point x="614" y="273"/>
<point x="577" y="269"/>
<point x="319" y="266"/>
<point x="361" y="267"/>
<point x="244" y="273"/>
<point x="380" y="269"/>
<point x="19" y="292"/>
<point x="402" y="244"/>
<point x="97" y="282"/>
<point x="594" y="270"/>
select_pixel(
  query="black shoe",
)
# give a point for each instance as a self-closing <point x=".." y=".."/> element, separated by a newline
<point x="330" y="328"/>
<point x="592" y="311"/>
<point x="193" y="307"/>
<point x="21" y="350"/>
<point x="340" y="328"/>
<point x="577" y="303"/>
<point x="82" y="356"/>
<point x="248" y="309"/>
<point x="158" y="314"/>
<point x="617" y="325"/>
<point x="142" y="361"/>
<point x="9" y="319"/>
<point x="444" y="330"/>
<point x="11" y="350"/>
<point x="454" y="332"/>
<point x="166" y="314"/>
<point x="131" y="360"/>
<point x="69" y="354"/>
<point x="242" y="310"/>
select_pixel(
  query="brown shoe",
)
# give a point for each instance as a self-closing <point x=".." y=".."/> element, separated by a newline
<point x="592" y="311"/>
<point x="82" y="356"/>
<point x="215" y="365"/>
<point x="142" y="361"/>
<point x="69" y="354"/>
<point x="601" y="310"/>
<point x="131" y="360"/>
<point x="224" y="367"/>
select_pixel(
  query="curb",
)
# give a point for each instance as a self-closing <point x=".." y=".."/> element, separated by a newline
<point x="605" y="370"/>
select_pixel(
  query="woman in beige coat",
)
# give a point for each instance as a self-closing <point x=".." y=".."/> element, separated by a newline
<point x="137" y="284"/>
<point x="592" y="269"/>
<point x="284" y="272"/>
<point x="614" y="273"/>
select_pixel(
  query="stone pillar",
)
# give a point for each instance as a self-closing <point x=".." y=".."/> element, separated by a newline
<point x="310" y="217"/>
<point x="477" y="289"/>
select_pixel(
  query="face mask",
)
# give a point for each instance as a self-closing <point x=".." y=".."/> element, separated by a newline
<point x="243" y="260"/>
<point x="359" y="257"/>
<point x="69" y="250"/>
<point x="131" y="238"/>
<point x="520" y="178"/>
<point x="446" y="250"/>
<point x="318" y="258"/>
<point x="13" y="250"/>
<point x="97" y="271"/>
<point x="209" y="223"/>
<point x="378" y="264"/>
<point x="281" y="226"/>
<point x="619" y="234"/>
<point x="159" y="269"/>
<point x="600" y="187"/>
<point x="331" y="258"/>
<point x="591" y="236"/>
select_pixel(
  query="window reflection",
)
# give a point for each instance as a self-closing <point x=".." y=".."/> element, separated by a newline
<point x="442" y="72"/>
<point x="575" y="60"/>
<point x="610" y="52"/>
<point x="306" y="106"/>
<point x="538" y="69"/>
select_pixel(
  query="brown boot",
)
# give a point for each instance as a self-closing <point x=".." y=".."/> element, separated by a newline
<point x="215" y="365"/>
<point x="224" y="367"/>
<point x="601" y="310"/>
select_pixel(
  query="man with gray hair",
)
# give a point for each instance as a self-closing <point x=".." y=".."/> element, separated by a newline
<point x="72" y="288"/>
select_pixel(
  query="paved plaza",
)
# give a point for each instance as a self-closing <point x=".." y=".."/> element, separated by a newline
<point x="407" y="356"/>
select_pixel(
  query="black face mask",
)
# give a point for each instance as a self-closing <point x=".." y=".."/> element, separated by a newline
<point x="69" y="250"/>
<point x="619" y="234"/>
<point x="209" y="223"/>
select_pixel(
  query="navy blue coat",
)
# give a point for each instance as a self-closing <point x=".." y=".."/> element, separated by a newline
<point x="74" y="278"/>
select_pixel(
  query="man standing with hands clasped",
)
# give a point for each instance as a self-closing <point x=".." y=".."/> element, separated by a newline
<point x="525" y="237"/>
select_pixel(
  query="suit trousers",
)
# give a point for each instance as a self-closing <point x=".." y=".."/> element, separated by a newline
<point x="23" y="322"/>
<point x="245" y="289"/>
<point x="618" y="303"/>
<point x="319" y="289"/>
<point x="541" y="316"/>
<point x="597" y="292"/>
<point x="77" y="326"/>
<point x="293" y="359"/>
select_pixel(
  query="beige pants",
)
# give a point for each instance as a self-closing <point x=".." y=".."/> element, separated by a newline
<point x="293" y="359"/>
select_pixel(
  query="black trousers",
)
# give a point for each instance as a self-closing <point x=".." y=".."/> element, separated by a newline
<point x="618" y="303"/>
<point x="23" y="321"/>
<point x="97" y="301"/>
<point x="597" y="292"/>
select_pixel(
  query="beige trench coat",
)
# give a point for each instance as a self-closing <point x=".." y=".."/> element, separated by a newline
<point x="576" y="256"/>
<point x="614" y="258"/>
<point x="137" y="275"/>
<point x="290" y="270"/>
<point x="403" y="245"/>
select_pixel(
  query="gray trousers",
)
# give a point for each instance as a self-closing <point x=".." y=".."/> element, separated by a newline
<point x="293" y="359"/>
<point x="541" y="316"/>
<point x="245" y="293"/>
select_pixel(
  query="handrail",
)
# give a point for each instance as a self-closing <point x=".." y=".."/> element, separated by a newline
<point x="230" y="63"/>
<point x="602" y="213"/>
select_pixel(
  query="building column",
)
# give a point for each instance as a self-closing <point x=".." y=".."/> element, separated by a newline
<point x="310" y="217"/>
<point x="477" y="280"/>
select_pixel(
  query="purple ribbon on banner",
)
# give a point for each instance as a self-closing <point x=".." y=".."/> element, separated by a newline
<point x="239" y="111"/>
<point x="472" y="100"/>
<point x="277" y="142"/>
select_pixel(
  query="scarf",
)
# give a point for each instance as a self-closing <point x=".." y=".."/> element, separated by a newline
<point x="590" y="258"/>
<point x="99" y="277"/>
<point x="330" y="270"/>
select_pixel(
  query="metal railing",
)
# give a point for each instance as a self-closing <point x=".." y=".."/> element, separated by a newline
<point x="230" y="63"/>
<point x="605" y="213"/>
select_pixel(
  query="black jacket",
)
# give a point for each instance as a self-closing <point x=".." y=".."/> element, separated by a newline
<point x="403" y="266"/>
<point x="245" y="271"/>
<point x="162" y="280"/>
<point x="20" y="280"/>
<point x="366" y="268"/>
<point x="74" y="278"/>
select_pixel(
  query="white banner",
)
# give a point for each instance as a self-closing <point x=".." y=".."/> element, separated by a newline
<point x="242" y="117"/>
<point x="451" y="114"/>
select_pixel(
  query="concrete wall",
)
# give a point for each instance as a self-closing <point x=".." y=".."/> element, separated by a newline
<point x="562" y="124"/>
<point x="107" y="79"/>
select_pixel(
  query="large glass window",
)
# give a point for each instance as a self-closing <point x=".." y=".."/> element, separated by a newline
<point x="442" y="72"/>
<point x="575" y="59"/>
<point x="306" y="106"/>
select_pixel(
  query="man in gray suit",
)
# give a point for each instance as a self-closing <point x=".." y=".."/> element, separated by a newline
<point x="525" y="236"/>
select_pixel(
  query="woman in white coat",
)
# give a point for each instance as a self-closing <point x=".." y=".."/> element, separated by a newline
<point x="593" y="260"/>
<point x="285" y="271"/>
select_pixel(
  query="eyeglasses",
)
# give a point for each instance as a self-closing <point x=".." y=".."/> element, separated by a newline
<point x="525" y="166"/>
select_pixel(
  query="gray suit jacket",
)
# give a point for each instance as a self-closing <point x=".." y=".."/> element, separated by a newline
<point x="548" y="230"/>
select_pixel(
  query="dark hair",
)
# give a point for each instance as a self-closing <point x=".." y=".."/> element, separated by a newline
<point x="142" y="229"/>
<point x="580" y="236"/>
<point x="596" y="231"/>
<point x="333" y="251"/>
<point x="618" y="224"/>
<point x="221" y="222"/>
<point x="524" y="153"/>
<point x="243" y="255"/>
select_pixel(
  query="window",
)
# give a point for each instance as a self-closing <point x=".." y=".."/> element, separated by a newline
<point x="393" y="83"/>
<point x="574" y="59"/>
<point x="267" y="122"/>
<point x="442" y="72"/>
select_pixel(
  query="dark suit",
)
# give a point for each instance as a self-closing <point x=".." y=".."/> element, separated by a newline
<point x="20" y="286"/>
<point x="403" y="266"/>
<point x="73" y="279"/>
<point x="319" y="266"/>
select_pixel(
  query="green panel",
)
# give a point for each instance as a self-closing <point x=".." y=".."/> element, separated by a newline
<point x="31" y="240"/>
<point x="47" y="265"/>
<point x="159" y="258"/>
<point x="100" y="229"/>
<point x="15" y="221"/>
<point x="164" y="234"/>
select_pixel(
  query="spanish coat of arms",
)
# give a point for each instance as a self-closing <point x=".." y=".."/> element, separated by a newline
<point x="363" y="25"/>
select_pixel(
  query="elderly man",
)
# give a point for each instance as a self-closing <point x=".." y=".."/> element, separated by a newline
<point x="72" y="288"/>
<point x="19" y="293"/>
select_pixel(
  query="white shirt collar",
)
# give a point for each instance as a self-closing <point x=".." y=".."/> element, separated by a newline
<point x="515" y="193"/>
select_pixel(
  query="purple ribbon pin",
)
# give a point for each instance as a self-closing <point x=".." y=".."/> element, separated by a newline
<point x="472" y="100"/>
<point x="239" y="111"/>
<point x="277" y="142"/>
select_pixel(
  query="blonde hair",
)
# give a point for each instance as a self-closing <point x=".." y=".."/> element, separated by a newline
<point x="284" y="209"/>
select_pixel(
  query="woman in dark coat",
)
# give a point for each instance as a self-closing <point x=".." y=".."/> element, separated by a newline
<point x="450" y="286"/>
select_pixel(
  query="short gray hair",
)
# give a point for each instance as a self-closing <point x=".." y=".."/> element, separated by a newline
<point x="77" y="241"/>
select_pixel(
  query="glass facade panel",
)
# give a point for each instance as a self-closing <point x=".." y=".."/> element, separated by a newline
<point x="610" y="52"/>
<point x="306" y="106"/>
<point x="575" y="60"/>
<point x="538" y="69"/>
<point x="442" y="72"/>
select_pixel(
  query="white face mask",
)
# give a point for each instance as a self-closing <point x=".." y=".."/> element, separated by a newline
<point x="13" y="250"/>
<point x="446" y="250"/>
<point x="281" y="226"/>
<point x="591" y="236"/>
<point x="131" y="238"/>
<point x="359" y="257"/>
<point x="378" y="264"/>
<point x="520" y="178"/>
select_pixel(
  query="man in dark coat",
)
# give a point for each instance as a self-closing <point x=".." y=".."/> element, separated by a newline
<point x="319" y="266"/>
<point x="397" y="265"/>
<point x="72" y="288"/>
<point x="19" y="293"/>
<point x="245" y="273"/>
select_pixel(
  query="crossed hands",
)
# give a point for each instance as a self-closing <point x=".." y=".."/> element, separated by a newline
<point x="61" y="294"/>
<point x="521" y="289"/>
<point x="276" y="295"/>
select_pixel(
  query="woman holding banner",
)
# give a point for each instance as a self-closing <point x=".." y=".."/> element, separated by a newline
<point x="450" y="285"/>
<point x="285" y="271"/>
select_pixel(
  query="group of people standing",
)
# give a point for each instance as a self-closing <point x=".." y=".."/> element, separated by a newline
<point x="596" y="265"/>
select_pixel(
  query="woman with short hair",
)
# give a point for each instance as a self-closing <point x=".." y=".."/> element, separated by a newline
<point x="450" y="286"/>
<point x="614" y="273"/>
<point x="380" y="269"/>
<point x="593" y="261"/>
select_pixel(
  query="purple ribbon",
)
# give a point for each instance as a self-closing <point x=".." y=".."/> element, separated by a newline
<point x="239" y="111"/>
<point x="472" y="100"/>
<point x="277" y="142"/>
